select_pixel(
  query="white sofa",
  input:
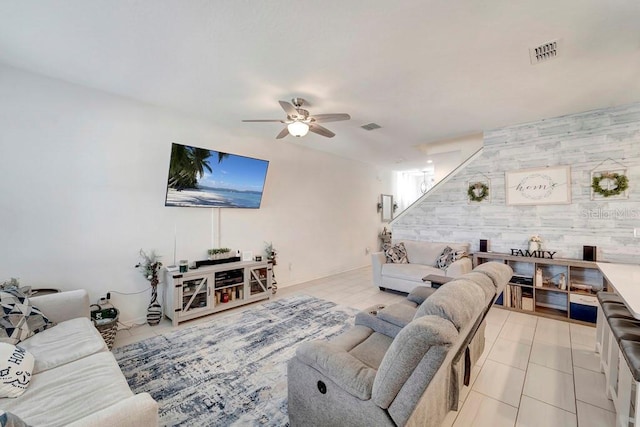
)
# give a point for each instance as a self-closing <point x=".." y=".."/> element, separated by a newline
<point x="76" y="380"/>
<point x="422" y="258"/>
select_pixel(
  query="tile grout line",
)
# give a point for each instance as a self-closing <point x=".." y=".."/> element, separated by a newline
<point x="479" y="372"/>
<point x="526" y="372"/>
<point x="573" y="370"/>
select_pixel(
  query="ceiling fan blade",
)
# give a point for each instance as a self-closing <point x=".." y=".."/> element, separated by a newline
<point x="323" y="118"/>
<point x="274" y="120"/>
<point x="321" y="130"/>
<point x="288" y="108"/>
<point x="283" y="133"/>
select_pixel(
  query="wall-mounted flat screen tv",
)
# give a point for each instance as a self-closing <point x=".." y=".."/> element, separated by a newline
<point x="199" y="177"/>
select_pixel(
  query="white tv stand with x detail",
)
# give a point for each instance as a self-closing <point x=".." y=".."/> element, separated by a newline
<point x="215" y="288"/>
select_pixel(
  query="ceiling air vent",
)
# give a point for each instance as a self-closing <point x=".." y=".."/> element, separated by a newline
<point x="371" y="126"/>
<point x="544" y="52"/>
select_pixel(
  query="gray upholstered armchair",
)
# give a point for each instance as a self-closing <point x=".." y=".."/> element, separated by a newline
<point x="407" y="373"/>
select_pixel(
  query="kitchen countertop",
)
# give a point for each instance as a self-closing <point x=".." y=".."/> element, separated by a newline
<point x="625" y="279"/>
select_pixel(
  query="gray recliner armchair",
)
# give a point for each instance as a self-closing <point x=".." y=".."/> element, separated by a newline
<point x="401" y="365"/>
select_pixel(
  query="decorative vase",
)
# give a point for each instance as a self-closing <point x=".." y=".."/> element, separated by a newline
<point x="534" y="246"/>
<point x="538" y="279"/>
<point x="154" y="314"/>
<point x="154" y="310"/>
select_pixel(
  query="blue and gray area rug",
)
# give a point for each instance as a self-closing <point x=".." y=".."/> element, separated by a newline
<point x="231" y="370"/>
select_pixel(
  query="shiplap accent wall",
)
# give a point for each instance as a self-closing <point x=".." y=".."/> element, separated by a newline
<point x="583" y="141"/>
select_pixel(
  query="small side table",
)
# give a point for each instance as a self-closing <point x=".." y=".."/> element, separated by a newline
<point x="436" y="280"/>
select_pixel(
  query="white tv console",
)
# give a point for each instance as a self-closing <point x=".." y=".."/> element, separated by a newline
<point x="215" y="288"/>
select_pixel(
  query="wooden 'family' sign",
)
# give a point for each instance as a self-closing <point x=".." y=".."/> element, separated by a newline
<point x="533" y="254"/>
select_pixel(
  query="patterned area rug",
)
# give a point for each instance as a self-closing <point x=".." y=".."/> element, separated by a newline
<point x="231" y="370"/>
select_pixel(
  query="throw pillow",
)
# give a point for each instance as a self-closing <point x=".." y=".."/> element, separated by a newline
<point x="397" y="254"/>
<point x="16" y="365"/>
<point x="449" y="256"/>
<point x="7" y="419"/>
<point x="446" y="258"/>
<point x="20" y="319"/>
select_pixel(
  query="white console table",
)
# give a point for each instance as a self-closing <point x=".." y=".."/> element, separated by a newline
<point x="211" y="289"/>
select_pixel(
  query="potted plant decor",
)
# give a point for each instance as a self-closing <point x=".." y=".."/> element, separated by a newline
<point x="14" y="283"/>
<point x="272" y="255"/>
<point x="219" y="253"/>
<point x="149" y="267"/>
<point x="270" y="252"/>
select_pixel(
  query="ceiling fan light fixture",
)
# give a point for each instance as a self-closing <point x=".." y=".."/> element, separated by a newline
<point x="298" y="128"/>
<point x="300" y="122"/>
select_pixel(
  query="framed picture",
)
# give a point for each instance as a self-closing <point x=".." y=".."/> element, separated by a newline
<point x="542" y="186"/>
<point x="247" y="256"/>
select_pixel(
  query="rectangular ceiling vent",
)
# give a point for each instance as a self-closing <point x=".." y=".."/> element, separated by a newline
<point x="371" y="126"/>
<point x="544" y="52"/>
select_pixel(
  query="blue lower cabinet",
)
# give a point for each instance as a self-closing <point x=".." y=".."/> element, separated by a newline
<point x="583" y="307"/>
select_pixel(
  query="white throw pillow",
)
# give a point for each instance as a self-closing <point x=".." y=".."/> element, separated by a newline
<point x="16" y="365"/>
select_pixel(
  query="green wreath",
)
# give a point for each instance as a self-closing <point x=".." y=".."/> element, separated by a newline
<point x="483" y="194"/>
<point x="621" y="181"/>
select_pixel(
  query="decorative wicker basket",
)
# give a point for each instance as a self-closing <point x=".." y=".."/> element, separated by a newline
<point x="106" y="322"/>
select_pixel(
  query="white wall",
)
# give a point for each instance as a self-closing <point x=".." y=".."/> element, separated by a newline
<point x="83" y="179"/>
<point x="582" y="140"/>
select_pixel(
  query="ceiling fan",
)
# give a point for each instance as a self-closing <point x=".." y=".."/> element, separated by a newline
<point x="299" y="122"/>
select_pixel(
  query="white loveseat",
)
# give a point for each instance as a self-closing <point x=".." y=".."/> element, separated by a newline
<point x="422" y="258"/>
<point x="76" y="380"/>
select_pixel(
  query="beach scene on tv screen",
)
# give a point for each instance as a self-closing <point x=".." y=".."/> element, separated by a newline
<point x="199" y="177"/>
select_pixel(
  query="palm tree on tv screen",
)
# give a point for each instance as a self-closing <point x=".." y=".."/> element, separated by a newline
<point x="188" y="164"/>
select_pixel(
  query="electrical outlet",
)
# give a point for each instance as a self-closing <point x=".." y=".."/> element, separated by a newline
<point x="367" y="251"/>
<point x="290" y="266"/>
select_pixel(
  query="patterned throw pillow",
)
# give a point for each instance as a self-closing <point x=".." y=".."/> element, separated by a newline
<point x="16" y="365"/>
<point x="20" y="319"/>
<point x="397" y="254"/>
<point x="448" y="257"/>
<point x="7" y="419"/>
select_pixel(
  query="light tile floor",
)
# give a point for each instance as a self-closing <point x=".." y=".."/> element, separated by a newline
<point x="534" y="371"/>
